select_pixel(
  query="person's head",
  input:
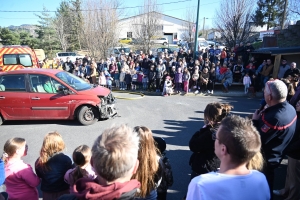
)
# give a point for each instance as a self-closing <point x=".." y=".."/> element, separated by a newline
<point x="173" y="68"/>
<point x="179" y="70"/>
<point x="82" y="155"/>
<point x="283" y="61"/>
<point x="247" y="74"/>
<point x="147" y="156"/>
<point x="298" y="106"/>
<point x="115" y="153"/>
<point x="241" y="44"/>
<point x="275" y="92"/>
<point x="269" y="61"/>
<point x="205" y="70"/>
<point x="215" y="112"/>
<point x="52" y="144"/>
<point x="293" y="65"/>
<point x="237" y="138"/>
<point x="185" y="69"/>
<point x="14" y="147"/>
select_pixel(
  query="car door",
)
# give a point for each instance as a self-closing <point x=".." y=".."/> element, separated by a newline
<point x="47" y="102"/>
<point x="14" y="97"/>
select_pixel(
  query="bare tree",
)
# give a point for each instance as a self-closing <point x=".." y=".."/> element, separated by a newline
<point x="189" y="25"/>
<point x="60" y="28"/>
<point x="147" y="25"/>
<point x="232" y="20"/>
<point x="294" y="8"/>
<point x="100" y="25"/>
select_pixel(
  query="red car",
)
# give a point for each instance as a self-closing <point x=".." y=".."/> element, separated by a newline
<point x="44" y="94"/>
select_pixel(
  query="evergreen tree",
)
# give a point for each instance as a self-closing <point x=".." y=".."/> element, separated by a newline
<point x="269" y="12"/>
<point x="9" y="37"/>
<point x="46" y="33"/>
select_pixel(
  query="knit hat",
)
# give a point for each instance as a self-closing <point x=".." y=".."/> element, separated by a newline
<point x="160" y="143"/>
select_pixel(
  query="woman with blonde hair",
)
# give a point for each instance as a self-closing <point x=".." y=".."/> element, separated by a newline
<point x="52" y="165"/>
<point x="21" y="181"/>
<point x="148" y="164"/>
<point x="203" y="159"/>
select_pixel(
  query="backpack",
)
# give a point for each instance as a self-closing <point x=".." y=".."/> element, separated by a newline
<point x="166" y="174"/>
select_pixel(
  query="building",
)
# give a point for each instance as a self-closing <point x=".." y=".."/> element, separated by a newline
<point x="169" y="27"/>
<point x="214" y="35"/>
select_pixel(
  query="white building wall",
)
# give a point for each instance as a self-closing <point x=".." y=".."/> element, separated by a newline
<point x="170" y="27"/>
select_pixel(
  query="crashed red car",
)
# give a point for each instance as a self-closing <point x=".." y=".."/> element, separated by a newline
<point x="45" y="94"/>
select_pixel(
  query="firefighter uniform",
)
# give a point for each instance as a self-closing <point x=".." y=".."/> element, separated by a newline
<point x="276" y="126"/>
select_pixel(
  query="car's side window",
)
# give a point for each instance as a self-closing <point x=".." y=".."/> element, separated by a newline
<point x="13" y="83"/>
<point x="44" y="84"/>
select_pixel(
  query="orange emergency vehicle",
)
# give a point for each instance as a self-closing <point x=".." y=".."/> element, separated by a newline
<point x="17" y="57"/>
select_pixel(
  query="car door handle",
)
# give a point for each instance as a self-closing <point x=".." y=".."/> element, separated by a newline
<point x="2" y="97"/>
<point x="35" y="98"/>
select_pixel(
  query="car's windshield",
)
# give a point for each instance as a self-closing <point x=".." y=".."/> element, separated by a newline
<point x="126" y="50"/>
<point x="73" y="81"/>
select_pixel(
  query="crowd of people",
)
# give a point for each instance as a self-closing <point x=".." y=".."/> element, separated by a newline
<point x="232" y="157"/>
<point x="145" y="71"/>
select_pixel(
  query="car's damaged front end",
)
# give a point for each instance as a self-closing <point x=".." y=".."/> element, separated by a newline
<point x="107" y="107"/>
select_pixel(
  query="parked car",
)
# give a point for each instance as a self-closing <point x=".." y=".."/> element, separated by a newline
<point x="116" y="51"/>
<point x="64" y="55"/>
<point x="136" y="41"/>
<point x="125" y="40"/>
<point x="221" y="46"/>
<point x="47" y="94"/>
<point x="163" y="49"/>
<point x="163" y="41"/>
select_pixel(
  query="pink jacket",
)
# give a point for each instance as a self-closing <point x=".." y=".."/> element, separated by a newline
<point x="21" y="181"/>
<point x="247" y="80"/>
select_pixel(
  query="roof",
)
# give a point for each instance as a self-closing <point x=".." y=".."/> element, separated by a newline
<point x="277" y="50"/>
<point x="32" y="70"/>
<point x="157" y="13"/>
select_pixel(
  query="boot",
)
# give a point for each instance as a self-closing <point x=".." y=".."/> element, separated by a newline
<point x="226" y="89"/>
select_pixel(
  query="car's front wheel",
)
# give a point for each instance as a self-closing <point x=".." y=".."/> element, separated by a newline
<point x="88" y="115"/>
<point x="164" y="43"/>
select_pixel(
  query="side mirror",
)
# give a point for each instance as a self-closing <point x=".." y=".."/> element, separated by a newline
<point x="64" y="90"/>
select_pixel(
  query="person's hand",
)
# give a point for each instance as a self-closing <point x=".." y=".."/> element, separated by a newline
<point x="256" y="115"/>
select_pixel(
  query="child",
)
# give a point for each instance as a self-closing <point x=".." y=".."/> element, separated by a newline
<point x="168" y="89"/>
<point x="128" y="80"/>
<point x="145" y="81"/>
<point x="178" y="80"/>
<point x="134" y="80"/>
<point x="122" y="78"/>
<point x="102" y="79"/>
<point x="21" y="181"/>
<point x="117" y="78"/>
<point x="109" y="80"/>
<point x="81" y="157"/>
<point x="186" y="78"/>
<point x="140" y="79"/>
<point x="164" y="169"/>
<point x="246" y="82"/>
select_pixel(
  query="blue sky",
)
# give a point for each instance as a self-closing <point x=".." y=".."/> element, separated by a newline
<point x="178" y="9"/>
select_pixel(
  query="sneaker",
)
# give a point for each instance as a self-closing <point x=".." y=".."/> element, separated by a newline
<point x="212" y="92"/>
<point x="208" y="91"/>
<point x="196" y="92"/>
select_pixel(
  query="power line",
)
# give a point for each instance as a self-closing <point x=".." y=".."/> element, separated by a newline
<point x="30" y="11"/>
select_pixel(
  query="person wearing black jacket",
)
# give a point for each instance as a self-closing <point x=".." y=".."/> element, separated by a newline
<point x="101" y="66"/>
<point x="203" y="159"/>
<point x="152" y="79"/>
<point x="292" y="183"/>
<point x="68" y="66"/>
<point x="276" y="125"/>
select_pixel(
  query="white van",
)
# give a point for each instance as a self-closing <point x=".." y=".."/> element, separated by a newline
<point x="71" y="55"/>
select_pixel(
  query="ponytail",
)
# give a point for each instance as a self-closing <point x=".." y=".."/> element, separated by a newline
<point x="256" y="162"/>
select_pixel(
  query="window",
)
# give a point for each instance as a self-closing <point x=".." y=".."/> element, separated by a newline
<point x="13" y="83"/>
<point x="44" y="84"/>
<point x="129" y="34"/>
<point x="17" y="59"/>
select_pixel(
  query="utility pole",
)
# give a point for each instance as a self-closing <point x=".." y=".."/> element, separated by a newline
<point x="196" y="33"/>
<point x="203" y="26"/>
<point x="284" y="14"/>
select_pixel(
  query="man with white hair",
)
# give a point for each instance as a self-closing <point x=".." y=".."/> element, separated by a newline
<point x="114" y="159"/>
<point x="276" y="125"/>
<point x="292" y="70"/>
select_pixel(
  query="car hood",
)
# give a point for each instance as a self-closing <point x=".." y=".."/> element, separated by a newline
<point x="99" y="91"/>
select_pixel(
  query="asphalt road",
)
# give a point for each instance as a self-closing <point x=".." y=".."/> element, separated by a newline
<point x="174" y="118"/>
